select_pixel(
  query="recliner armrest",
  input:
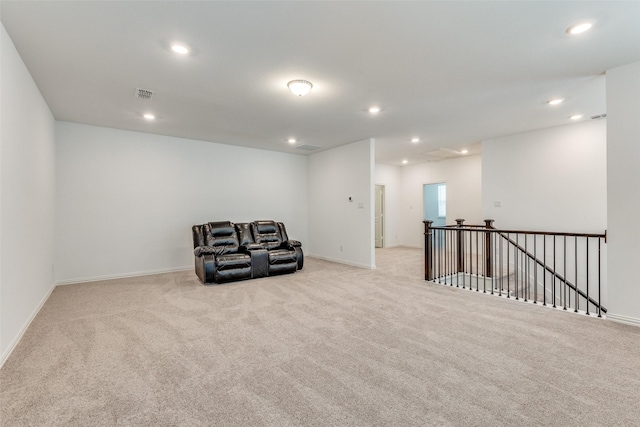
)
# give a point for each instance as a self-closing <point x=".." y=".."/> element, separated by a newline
<point x="294" y="243"/>
<point x="206" y="250"/>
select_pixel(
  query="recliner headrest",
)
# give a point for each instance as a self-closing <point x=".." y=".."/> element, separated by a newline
<point x="266" y="227"/>
<point x="223" y="228"/>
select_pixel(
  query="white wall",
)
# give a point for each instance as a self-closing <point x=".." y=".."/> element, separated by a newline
<point x="623" y="186"/>
<point x="464" y="191"/>
<point x="27" y="198"/>
<point x="389" y="176"/>
<point x="127" y="200"/>
<point x="340" y="230"/>
<point x="548" y="180"/>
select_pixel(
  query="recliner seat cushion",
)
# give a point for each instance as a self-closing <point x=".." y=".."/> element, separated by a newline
<point x="230" y="261"/>
<point x="231" y="267"/>
<point x="282" y="256"/>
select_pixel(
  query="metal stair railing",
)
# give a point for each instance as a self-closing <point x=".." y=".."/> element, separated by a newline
<point x="459" y="254"/>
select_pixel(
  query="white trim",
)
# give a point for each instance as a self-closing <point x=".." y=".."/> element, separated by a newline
<point x="122" y="275"/>
<point x="339" y="261"/>
<point x="26" y="325"/>
<point x="624" y="319"/>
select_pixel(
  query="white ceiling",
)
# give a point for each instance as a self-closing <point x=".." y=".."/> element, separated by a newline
<point x="452" y="73"/>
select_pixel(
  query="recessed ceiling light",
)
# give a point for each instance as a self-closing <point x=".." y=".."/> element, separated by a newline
<point x="579" y="28"/>
<point x="149" y="116"/>
<point x="374" y="109"/>
<point x="465" y="151"/>
<point x="576" y="117"/>
<point x="299" y="87"/>
<point x="291" y="140"/>
<point x="414" y="140"/>
<point x="404" y="162"/>
<point x="181" y="49"/>
<point x="555" y="101"/>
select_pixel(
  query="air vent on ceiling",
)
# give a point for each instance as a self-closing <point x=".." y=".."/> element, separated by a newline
<point x="441" y="154"/>
<point x="307" y="147"/>
<point x="144" y="93"/>
<point x="599" y="116"/>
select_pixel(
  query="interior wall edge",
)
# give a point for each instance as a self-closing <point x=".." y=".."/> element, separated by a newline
<point x="16" y="340"/>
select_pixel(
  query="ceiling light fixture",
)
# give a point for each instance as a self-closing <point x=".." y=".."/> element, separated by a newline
<point x="178" y="48"/>
<point x="149" y="116"/>
<point x="374" y="110"/>
<point x="579" y="28"/>
<point x="404" y="162"/>
<point x="414" y="140"/>
<point x="576" y="117"/>
<point x="464" y="151"/>
<point x="291" y="140"/>
<point x="555" y="101"/>
<point x="299" y="87"/>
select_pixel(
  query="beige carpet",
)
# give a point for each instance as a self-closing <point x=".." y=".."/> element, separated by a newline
<point x="331" y="345"/>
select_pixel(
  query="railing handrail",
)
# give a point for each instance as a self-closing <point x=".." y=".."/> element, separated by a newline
<point x="496" y="230"/>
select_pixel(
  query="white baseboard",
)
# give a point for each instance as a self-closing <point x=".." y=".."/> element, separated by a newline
<point x="122" y="275"/>
<point x="340" y="261"/>
<point x="623" y="319"/>
<point x="24" y="328"/>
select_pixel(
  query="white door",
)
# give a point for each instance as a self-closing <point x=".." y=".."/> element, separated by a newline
<point x="379" y="216"/>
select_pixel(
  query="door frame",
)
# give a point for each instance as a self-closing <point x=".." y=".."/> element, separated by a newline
<point x="382" y="215"/>
<point x="424" y="213"/>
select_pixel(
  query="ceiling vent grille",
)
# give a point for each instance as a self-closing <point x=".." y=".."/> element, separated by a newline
<point x="599" y="116"/>
<point x="306" y="147"/>
<point x="144" y="93"/>
<point x="440" y="154"/>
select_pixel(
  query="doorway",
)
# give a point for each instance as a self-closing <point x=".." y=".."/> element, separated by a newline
<point x="435" y="203"/>
<point x="379" y="216"/>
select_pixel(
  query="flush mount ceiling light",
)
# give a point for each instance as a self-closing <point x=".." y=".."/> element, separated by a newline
<point x="149" y="116"/>
<point x="404" y="162"/>
<point x="579" y="28"/>
<point x="181" y="49"/>
<point x="299" y="87"/>
<point x="414" y="140"/>
<point x="374" y="109"/>
<point x="555" y="101"/>
<point x="464" y="151"/>
<point x="291" y="140"/>
<point x="576" y="117"/>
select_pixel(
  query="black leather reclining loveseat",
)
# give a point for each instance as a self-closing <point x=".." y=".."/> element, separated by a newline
<point x="225" y="251"/>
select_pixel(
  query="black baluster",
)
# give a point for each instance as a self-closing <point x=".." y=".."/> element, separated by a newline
<point x="587" y="276"/>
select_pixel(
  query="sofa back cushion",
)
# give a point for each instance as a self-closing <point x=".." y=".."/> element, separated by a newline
<point x="222" y="235"/>
<point x="283" y="232"/>
<point x="244" y="233"/>
<point x="267" y="233"/>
